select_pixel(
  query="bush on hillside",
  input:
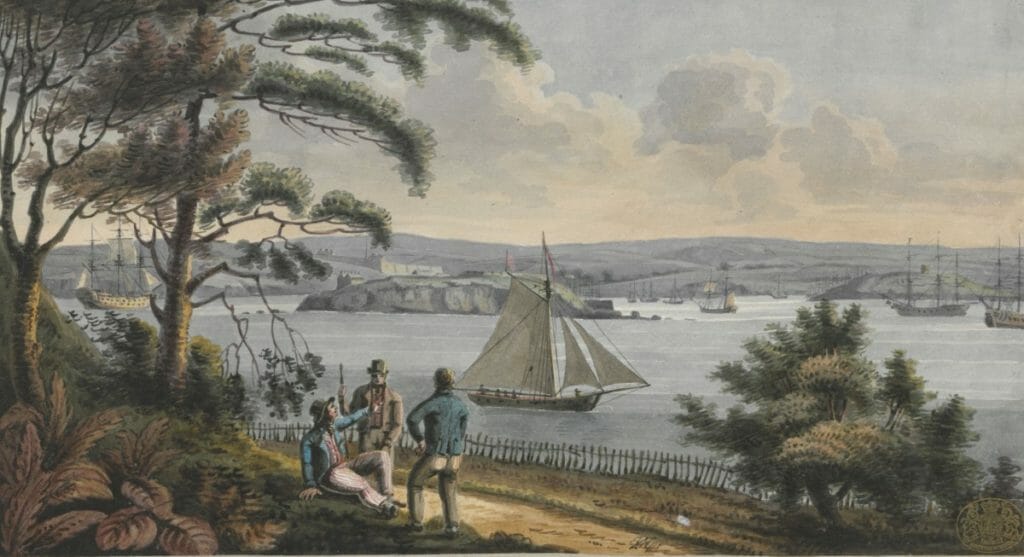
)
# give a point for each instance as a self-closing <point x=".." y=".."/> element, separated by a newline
<point x="817" y="419"/>
<point x="128" y="376"/>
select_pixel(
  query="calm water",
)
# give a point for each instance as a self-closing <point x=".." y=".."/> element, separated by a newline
<point x="675" y="354"/>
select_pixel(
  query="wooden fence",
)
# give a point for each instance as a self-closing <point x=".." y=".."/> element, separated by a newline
<point x="588" y="459"/>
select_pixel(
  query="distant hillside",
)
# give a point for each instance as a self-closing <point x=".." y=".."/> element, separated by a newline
<point x="610" y="269"/>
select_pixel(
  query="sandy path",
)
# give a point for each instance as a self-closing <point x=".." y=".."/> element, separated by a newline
<point x="548" y="526"/>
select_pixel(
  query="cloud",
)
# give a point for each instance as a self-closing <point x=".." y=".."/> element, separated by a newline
<point x="717" y="100"/>
<point x="759" y="197"/>
<point x="841" y="160"/>
<point x="845" y="159"/>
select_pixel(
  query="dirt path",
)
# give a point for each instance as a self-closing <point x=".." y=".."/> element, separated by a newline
<point x="548" y="526"/>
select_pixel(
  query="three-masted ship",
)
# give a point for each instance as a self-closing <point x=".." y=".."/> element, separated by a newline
<point x="909" y="308"/>
<point x="518" y="367"/>
<point x="115" y="285"/>
<point x="996" y="314"/>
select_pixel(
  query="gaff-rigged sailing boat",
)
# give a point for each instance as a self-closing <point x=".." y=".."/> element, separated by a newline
<point x="518" y="366"/>
<point x="941" y="309"/>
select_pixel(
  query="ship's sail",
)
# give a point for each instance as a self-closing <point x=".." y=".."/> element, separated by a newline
<point x="518" y="366"/>
<point x="519" y="353"/>
<point x="610" y="369"/>
<point x="577" y="370"/>
<point x="122" y="250"/>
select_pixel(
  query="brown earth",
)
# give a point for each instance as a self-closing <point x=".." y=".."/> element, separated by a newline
<point x="548" y="526"/>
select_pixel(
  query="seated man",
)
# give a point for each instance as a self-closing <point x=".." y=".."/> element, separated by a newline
<point x="325" y="466"/>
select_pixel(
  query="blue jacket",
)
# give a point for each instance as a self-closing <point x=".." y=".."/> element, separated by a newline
<point x="445" y="418"/>
<point x="316" y="460"/>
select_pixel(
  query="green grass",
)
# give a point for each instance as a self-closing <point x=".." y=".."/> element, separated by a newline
<point x="721" y="521"/>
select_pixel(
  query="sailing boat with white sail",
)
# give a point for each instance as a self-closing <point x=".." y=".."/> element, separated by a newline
<point x="518" y="367"/>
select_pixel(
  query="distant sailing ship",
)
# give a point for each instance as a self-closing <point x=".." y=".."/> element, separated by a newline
<point x="650" y="297"/>
<point x="518" y="367"/>
<point x="113" y="285"/>
<point x="778" y="293"/>
<point x="714" y="302"/>
<point x="676" y="297"/>
<point x="995" y="314"/>
<point x="908" y="308"/>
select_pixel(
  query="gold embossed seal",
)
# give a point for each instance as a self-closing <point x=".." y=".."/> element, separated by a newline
<point x="990" y="525"/>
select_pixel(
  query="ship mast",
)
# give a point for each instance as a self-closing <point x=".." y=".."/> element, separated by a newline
<point x="119" y="262"/>
<point x="551" y="331"/>
<point x="938" y="275"/>
<point x="956" y="277"/>
<point x="1018" y="272"/>
<point x="92" y="256"/>
<point x="999" y="274"/>
<point x="910" y="279"/>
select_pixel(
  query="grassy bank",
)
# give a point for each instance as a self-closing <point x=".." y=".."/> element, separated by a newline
<point x="665" y="513"/>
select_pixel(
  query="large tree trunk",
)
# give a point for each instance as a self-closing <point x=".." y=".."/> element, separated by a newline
<point x="824" y="502"/>
<point x="26" y="378"/>
<point x="176" y="315"/>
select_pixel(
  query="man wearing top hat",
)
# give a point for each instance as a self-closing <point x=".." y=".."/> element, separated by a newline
<point x="383" y="427"/>
<point x="327" y="468"/>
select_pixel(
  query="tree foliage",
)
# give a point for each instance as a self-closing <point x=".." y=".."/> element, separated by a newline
<point x="129" y="348"/>
<point x="816" y="418"/>
<point x="1005" y="477"/>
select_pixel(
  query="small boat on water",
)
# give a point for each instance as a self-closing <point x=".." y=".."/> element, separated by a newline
<point x="518" y="367"/>
<point x="715" y="302"/>
<point x="676" y="297"/>
<point x="778" y="293"/>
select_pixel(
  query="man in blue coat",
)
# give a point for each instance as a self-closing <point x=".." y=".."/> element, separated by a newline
<point x="325" y="464"/>
<point x="445" y="418"/>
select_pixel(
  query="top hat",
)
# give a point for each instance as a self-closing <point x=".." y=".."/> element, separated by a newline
<point x="319" y="409"/>
<point x="378" y="366"/>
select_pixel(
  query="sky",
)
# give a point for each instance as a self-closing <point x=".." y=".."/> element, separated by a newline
<point x="821" y="121"/>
